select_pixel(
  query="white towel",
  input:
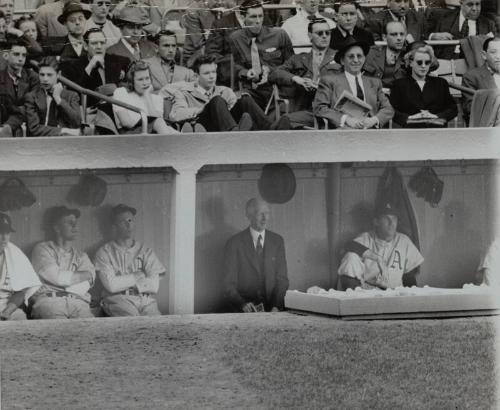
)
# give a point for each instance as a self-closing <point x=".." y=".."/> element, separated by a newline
<point x="21" y="272"/>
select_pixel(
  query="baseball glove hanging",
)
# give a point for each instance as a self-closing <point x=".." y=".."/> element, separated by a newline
<point x="14" y="195"/>
<point x="426" y="184"/>
<point x="90" y="191"/>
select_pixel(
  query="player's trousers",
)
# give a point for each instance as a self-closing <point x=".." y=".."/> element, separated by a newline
<point x="18" y="314"/>
<point x="60" y="307"/>
<point x="130" y="305"/>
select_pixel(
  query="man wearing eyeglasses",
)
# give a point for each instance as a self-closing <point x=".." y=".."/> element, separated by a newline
<point x="129" y="271"/>
<point x="300" y="74"/>
<point x="99" y="19"/>
<point x="378" y="111"/>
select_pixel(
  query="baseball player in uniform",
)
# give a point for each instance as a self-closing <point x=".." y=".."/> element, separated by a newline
<point x="129" y="271"/>
<point x="489" y="269"/>
<point x="66" y="272"/>
<point x="379" y="258"/>
<point x="18" y="280"/>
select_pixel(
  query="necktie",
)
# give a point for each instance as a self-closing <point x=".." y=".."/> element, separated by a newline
<point x="259" y="250"/>
<point x="464" y="32"/>
<point x="359" y="90"/>
<point x="137" y="53"/>
<point x="254" y="56"/>
<point x="316" y="63"/>
<point x="49" y="106"/>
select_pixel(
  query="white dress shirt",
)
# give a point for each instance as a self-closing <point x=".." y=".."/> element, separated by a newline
<point x="255" y="237"/>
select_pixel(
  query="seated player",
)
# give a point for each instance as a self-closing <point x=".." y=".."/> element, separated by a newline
<point x="15" y="82"/>
<point x="300" y="76"/>
<point x="100" y="19"/>
<point x="51" y="109"/>
<point x="129" y="271"/>
<point x="297" y="26"/>
<point x="18" y="280"/>
<point x="256" y="276"/>
<point x="379" y="258"/>
<point x="368" y="89"/>
<point x="347" y="25"/>
<point x="257" y="50"/>
<point x="139" y="93"/>
<point x="213" y="106"/>
<point x="399" y="10"/>
<point x="485" y="77"/>
<point x="488" y="272"/>
<point x="421" y="100"/>
<point x="162" y="66"/>
<point x="65" y="271"/>
<point x="387" y="62"/>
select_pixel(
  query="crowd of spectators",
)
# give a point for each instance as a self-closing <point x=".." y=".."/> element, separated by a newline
<point x="236" y="65"/>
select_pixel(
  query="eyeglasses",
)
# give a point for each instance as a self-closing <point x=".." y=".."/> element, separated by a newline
<point x="423" y="62"/>
<point x="103" y="3"/>
<point x="322" y="33"/>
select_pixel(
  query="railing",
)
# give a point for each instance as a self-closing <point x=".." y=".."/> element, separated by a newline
<point x="86" y="92"/>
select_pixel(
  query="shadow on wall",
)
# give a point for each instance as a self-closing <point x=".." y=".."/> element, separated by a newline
<point x="209" y="269"/>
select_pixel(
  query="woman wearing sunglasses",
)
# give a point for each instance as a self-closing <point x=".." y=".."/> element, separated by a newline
<point x="420" y="100"/>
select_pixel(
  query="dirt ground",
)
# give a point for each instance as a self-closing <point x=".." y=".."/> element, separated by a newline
<point x="250" y="361"/>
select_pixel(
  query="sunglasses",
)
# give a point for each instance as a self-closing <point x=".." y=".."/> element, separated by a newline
<point x="322" y="33"/>
<point x="103" y="3"/>
<point x="423" y="62"/>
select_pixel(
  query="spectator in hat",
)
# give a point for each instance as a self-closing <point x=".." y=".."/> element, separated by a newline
<point x="66" y="272"/>
<point x="46" y="18"/>
<point x="129" y="271"/>
<point x="74" y="17"/>
<point x="347" y="25"/>
<point x="132" y="45"/>
<point x="100" y="19"/>
<point x="256" y="276"/>
<point x="18" y="280"/>
<point x="16" y="82"/>
<point x="421" y="100"/>
<point x="139" y="93"/>
<point x="163" y="67"/>
<point x="379" y="258"/>
<point x="51" y="109"/>
<point x="352" y="81"/>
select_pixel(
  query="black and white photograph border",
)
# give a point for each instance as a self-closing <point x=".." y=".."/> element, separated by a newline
<point x="262" y="360"/>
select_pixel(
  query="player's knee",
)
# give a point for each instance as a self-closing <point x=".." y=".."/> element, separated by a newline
<point x="352" y="265"/>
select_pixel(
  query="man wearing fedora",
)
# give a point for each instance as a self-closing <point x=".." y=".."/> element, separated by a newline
<point x="129" y="271"/>
<point x="46" y="19"/>
<point x="379" y="258"/>
<point x="18" y="280"/>
<point x="256" y="276"/>
<point x="65" y="271"/>
<point x="132" y="46"/>
<point x="353" y="83"/>
<point x="74" y="17"/>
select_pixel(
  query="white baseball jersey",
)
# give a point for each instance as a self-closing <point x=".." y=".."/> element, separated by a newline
<point x="491" y="262"/>
<point x="400" y="255"/>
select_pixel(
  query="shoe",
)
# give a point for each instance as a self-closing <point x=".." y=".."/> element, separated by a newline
<point x="246" y="122"/>
<point x="187" y="128"/>
<point x="199" y="128"/>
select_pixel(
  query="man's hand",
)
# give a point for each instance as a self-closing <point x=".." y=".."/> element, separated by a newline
<point x="14" y="31"/>
<point x="71" y="132"/>
<point x="252" y="76"/>
<point x="96" y="61"/>
<point x="369" y="122"/>
<point x="352" y="122"/>
<point x="306" y="83"/>
<point x="441" y="36"/>
<point x="248" y="307"/>
<point x="56" y="93"/>
<point x="6" y="131"/>
<point x="369" y="254"/>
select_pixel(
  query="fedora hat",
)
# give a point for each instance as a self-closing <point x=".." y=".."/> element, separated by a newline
<point x="132" y="15"/>
<point x="73" y="7"/>
<point x="277" y="183"/>
<point x="347" y="44"/>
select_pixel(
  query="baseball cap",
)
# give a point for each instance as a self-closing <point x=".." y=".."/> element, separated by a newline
<point x="122" y="208"/>
<point x="386" y="208"/>
<point x="5" y="223"/>
<point x="58" y="212"/>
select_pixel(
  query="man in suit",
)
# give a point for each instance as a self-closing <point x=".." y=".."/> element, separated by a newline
<point x="485" y="77"/>
<point x="347" y="25"/>
<point x="386" y="62"/>
<point x="50" y="109"/>
<point x="74" y="17"/>
<point x="46" y="20"/>
<point x="352" y="57"/>
<point x="15" y="82"/>
<point x="162" y="66"/>
<point x="255" y="264"/>
<point x="458" y="24"/>
<point x="100" y="19"/>
<point x="132" y="46"/>
<point x="301" y="73"/>
<point x="399" y="10"/>
<point x="216" y="107"/>
<point x="257" y="50"/>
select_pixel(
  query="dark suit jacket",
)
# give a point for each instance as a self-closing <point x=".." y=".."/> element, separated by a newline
<point x="375" y="65"/>
<point x="67" y="114"/>
<point x="407" y="99"/>
<point x="330" y="89"/>
<point x="301" y="65"/>
<point x="414" y="23"/>
<point x="241" y="270"/>
<point x="12" y="102"/>
<point x="478" y="78"/>
<point x="449" y="23"/>
<point x="358" y="33"/>
<point x="159" y="78"/>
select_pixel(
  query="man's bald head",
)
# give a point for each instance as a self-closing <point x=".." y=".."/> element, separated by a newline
<point x="257" y="212"/>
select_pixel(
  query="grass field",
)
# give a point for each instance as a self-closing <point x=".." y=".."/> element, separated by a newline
<point x="248" y="361"/>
